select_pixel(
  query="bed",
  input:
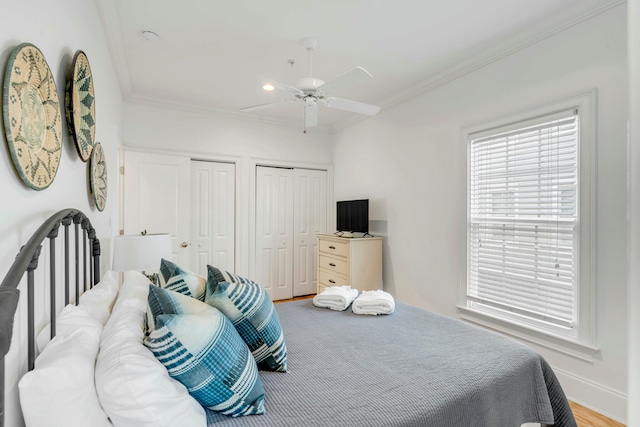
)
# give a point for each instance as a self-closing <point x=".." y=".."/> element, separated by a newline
<point x="410" y="368"/>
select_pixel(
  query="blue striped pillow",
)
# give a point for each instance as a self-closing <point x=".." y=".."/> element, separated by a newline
<point x="165" y="301"/>
<point x="204" y="352"/>
<point x="251" y="311"/>
<point x="176" y="279"/>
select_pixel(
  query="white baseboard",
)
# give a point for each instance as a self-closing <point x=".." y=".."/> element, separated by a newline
<point x="604" y="400"/>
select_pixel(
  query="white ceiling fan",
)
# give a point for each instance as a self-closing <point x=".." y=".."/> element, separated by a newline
<point x="312" y="91"/>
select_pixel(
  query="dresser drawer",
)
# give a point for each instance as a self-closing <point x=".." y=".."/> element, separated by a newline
<point x="333" y="264"/>
<point x="327" y="278"/>
<point x="333" y="247"/>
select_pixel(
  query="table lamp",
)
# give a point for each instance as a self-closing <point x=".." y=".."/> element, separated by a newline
<point x="141" y="252"/>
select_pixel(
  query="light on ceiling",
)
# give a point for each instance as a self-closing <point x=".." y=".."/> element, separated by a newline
<point x="268" y="87"/>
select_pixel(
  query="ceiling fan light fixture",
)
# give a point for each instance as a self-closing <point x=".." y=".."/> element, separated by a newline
<point x="309" y="83"/>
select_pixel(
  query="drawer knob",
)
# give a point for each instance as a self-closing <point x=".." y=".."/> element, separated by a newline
<point x="332" y="247"/>
<point x="332" y="264"/>
<point x="332" y="281"/>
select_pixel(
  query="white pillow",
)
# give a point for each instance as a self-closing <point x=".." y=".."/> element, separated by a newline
<point x="60" y="391"/>
<point x="99" y="299"/>
<point x="134" y="388"/>
<point x="134" y="290"/>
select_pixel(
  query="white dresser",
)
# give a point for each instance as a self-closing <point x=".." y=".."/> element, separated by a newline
<point x="356" y="262"/>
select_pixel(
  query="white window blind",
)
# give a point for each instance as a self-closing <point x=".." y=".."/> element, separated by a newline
<point x="522" y="248"/>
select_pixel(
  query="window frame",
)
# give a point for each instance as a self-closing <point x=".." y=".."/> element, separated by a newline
<point x="583" y="344"/>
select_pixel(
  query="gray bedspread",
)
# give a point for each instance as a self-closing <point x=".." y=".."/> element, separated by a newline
<point x="410" y="368"/>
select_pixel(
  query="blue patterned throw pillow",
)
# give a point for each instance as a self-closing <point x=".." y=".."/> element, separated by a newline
<point x="176" y="279"/>
<point x="165" y="301"/>
<point x="204" y="352"/>
<point x="251" y="311"/>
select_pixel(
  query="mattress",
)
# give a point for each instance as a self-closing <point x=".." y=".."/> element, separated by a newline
<point x="410" y="368"/>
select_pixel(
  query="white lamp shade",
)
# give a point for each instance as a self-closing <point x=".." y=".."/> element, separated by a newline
<point x="142" y="253"/>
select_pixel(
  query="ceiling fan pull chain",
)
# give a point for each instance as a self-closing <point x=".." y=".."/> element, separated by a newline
<point x="305" y="120"/>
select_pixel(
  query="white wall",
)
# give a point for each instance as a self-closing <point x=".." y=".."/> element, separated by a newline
<point x="58" y="29"/>
<point x="158" y="127"/>
<point x="235" y="139"/>
<point x="409" y="166"/>
<point x="633" y="418"/>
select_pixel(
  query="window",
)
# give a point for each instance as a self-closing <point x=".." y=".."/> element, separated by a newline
<point x="528" y="239"/>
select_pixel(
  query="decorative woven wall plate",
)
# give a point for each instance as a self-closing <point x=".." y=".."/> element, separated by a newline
<point x="98" y="176"/>
<point x="80" y="105"/>
<point x="32" y="118"/>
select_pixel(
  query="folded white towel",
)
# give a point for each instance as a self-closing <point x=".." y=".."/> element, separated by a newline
<point x="335" y="297"/>
<point x="374" y="302"/>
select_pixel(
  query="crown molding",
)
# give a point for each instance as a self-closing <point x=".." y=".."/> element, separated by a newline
<point x="110" y="17"/>
<point x="524" y="40"/>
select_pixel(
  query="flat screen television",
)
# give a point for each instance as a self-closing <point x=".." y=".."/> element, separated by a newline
<point x="353" y="216"/>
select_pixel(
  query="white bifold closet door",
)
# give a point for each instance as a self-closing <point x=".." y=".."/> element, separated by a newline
<point x="290" y="211"/>
<point x="212" y="216"/>
<point x="309" y="220"/>
<point x="274" y="231"/>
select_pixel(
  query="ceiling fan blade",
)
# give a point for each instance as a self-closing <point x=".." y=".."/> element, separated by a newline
<point x="310" y="115"/>
<point x="347" y="80"/>
<point x="353" y="106"/>
<point x="280" y="86"/>
<point x="263" y="106"/>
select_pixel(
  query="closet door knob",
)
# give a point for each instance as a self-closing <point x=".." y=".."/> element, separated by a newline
<point x="184" y="244"/>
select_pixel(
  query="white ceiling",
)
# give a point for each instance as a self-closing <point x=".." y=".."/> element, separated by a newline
<point x="210" y="52"/>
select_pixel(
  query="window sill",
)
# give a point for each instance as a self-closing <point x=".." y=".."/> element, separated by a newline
<point x="563" y="345"/>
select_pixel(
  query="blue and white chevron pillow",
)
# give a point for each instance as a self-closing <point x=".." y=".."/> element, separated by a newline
<point x="204" y="352"/>
<point x="176" y="279"/>
<point x="251" y="311"/>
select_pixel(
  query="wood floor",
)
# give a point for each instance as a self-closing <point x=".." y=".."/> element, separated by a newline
<point x="587" y="418"/>
<point x="584" y="416"/>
